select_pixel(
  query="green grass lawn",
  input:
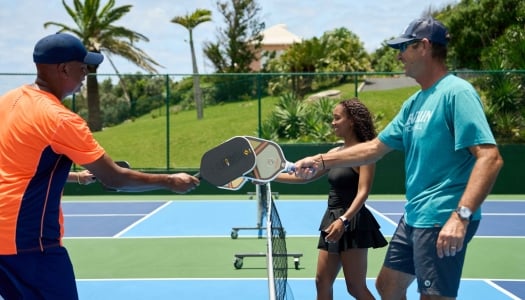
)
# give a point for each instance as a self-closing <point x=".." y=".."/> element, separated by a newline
<point x="386" y="103"/>
<point x="144" y="141"/>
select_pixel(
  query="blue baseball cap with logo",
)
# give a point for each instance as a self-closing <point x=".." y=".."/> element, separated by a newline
<point x="419" y="29"/>
<point x="62" y="47"/>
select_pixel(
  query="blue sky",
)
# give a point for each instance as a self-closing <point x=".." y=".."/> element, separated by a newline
<point x="21" y="25"/>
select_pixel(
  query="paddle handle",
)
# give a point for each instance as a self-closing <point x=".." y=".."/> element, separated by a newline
<point x="289" y="167"/>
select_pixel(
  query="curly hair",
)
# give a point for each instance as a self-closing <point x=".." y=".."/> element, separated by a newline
<point x="361" y="117"/>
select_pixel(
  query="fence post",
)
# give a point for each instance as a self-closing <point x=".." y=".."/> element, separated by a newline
<point x="167" y="122"/>
<point x="259" y="101"/>
<point x="356" y="88"/>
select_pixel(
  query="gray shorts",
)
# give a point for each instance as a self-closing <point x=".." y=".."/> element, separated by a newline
<point x="413" y="251"/>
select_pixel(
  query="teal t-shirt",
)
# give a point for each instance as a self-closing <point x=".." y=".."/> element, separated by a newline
<point x="434" y="128"/>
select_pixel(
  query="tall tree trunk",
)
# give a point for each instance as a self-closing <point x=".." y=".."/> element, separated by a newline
<point x="197" y="92"/>
<point x="93" y="99"/>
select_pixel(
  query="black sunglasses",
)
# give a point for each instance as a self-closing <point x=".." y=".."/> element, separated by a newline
<point x="405" y="45"/>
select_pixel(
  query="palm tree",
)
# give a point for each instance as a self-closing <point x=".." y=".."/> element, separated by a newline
<point x="94" y="26"/>
<point x="190" y="21"/>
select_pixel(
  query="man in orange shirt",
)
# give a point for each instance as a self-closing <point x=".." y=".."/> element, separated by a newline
<point x="39" y="140"/>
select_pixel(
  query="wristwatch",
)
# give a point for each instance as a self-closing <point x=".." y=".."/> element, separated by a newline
<point x="345" y="221"/>
<point x="464" y="213"/>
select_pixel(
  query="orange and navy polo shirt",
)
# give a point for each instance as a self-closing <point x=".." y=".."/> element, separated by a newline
<point x="39" y="139"/>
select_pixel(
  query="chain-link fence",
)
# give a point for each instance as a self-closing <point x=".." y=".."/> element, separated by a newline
<point x="288" y="107"/>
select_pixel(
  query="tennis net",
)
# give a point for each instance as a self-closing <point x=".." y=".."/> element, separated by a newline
<point x="277" y="256"/>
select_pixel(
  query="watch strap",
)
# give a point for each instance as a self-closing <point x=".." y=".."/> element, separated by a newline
<point x="345" y="221"/>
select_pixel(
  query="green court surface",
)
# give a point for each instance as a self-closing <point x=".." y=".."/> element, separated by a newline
<point x="498" y="258"/>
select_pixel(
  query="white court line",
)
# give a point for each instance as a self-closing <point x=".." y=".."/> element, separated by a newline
<point x="484" y="214"/>
<point x="499" y="288"/>
<point x="260" y="278"/>
<point x="179" y="279"/>
<point x="103" y="215"/>
<point x="149" y="237"/>
<point x="498" y="237"/>
<point x="503" y="214"/>
<point x="142" y="219"/>
<point x="384" y="216"/>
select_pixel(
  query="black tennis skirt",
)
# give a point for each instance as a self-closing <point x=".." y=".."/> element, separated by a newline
<point x="363" y="231"/>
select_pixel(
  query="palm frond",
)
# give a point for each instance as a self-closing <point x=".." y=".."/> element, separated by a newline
<point x="94" y="25"/>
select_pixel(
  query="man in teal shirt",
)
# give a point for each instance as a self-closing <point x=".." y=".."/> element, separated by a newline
<point x="451" y="164"/>
<point x="435" y="128"/>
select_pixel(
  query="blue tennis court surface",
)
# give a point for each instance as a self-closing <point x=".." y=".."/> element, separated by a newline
<point x="119" y="219"/>
<point x="237" y="289"/>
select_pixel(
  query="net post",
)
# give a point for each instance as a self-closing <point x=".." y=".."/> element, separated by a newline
<point x="264" y="191"/>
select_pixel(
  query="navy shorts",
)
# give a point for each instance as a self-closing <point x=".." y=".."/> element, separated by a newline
<point x="413" y="251"/>
<point x="38" y="275"/>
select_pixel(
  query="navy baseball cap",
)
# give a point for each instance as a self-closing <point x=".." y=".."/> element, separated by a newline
<point x="62" y="47"/>
<point x="428" y="28"/>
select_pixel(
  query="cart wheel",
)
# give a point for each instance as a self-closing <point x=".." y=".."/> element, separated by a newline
<point x="234" y="234"/>
<point x="237" y="263"/>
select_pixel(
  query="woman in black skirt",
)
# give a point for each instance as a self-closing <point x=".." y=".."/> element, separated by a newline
<point x="347" y="228"/>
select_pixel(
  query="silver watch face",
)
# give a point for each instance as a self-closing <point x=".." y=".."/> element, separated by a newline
<point x="464" y="212"/>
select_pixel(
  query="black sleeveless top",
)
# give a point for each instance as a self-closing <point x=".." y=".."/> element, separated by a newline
<point x="343" y="187"/>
